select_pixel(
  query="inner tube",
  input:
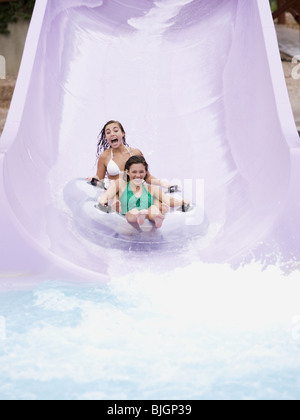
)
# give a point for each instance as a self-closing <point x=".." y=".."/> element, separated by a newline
<point x="105" y="228"/>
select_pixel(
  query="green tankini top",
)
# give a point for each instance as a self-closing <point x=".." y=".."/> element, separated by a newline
<point x="129" y="201"/>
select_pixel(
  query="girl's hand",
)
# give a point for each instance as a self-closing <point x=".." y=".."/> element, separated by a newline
<point x="103" y="200"/>
<point x="165" y="184"/>
<point x="89" y="178"/>
<point x="186" y="202"/>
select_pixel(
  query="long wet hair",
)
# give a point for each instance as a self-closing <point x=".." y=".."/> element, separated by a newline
<point x="102" y="142"/>
<point x="135" y="160"/>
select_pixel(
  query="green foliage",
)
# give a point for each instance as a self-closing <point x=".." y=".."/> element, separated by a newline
<point x="273" y="4"/>
<point x="12" y="11"/>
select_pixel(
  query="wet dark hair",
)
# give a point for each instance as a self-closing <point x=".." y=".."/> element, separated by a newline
<point x="102" y="142"/>
<point x="133" y="161"/>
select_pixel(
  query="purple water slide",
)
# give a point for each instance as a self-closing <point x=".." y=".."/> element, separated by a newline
<point x="199" y="87"/>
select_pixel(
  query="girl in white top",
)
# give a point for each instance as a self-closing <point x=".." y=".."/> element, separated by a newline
<point x="113" y="153"/>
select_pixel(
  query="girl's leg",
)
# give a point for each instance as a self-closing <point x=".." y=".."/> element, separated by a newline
<point x="116" y="205"/>
<point x="156" y="216"/>
<point x="135" y="216"/>
<point x="163" y="207"/>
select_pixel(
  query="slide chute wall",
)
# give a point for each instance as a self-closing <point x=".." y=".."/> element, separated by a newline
<point x="199" y="88"/>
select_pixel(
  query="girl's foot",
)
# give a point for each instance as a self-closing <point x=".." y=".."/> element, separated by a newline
<point x="158" y="220"/>
<point x="141" y="217"/>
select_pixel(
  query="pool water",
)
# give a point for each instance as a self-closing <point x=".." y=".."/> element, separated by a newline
<point x="204" y="331"/>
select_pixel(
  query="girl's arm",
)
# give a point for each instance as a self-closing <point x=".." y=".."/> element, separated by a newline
<point x="151" y="180"/>
<point x="101" y="168"/>
<point x="170" y="201"/>
<point x="111" y="192"/>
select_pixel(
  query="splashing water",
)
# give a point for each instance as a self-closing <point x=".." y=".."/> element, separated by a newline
<point x="154" y="331"/>
<point x="205" y="331"/>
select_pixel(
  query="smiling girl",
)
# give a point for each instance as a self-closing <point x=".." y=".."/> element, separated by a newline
<point x="137" y="199"/>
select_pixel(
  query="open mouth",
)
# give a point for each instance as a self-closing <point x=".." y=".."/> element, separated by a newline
<point x="114" y="141"/>
<point x="137" y="181"/>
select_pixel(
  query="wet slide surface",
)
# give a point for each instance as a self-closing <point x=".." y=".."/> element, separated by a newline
<point x="191" y="83"/>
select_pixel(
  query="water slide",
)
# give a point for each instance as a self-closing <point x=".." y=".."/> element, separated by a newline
<point x="199" y="88"/>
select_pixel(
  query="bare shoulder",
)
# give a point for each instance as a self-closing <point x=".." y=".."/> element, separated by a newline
<point x="104" y="157"/>
<point x="135" y="152"/>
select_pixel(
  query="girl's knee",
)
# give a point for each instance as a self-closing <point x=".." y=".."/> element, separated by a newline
<point x="154" y="211"/>
<point x="133" y="212"/>
<point x="131" y="216"/>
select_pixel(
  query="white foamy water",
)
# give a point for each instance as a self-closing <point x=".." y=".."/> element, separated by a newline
<point x="203" y="331"/>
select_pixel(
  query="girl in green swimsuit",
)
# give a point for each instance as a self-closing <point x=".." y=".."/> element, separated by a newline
<point x="138" y="200"/>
